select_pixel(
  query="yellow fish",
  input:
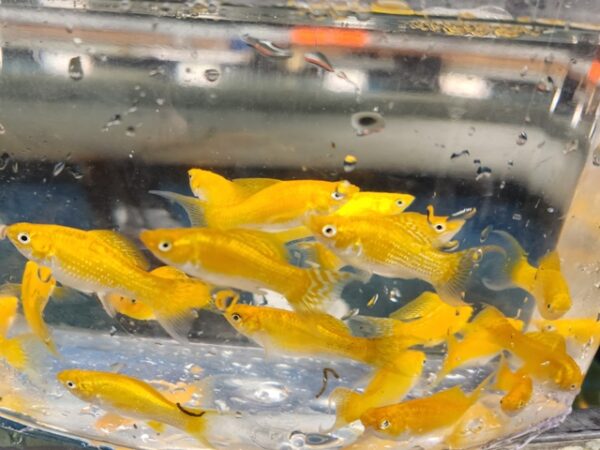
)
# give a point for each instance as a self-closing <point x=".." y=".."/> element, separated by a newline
<point x="386" y="387"/>
<point x="134" y="398"/>
<point x="421" y="415"/>
<point x="518" y="386"/>
<point x="581" y="330"/>
<point x="380" y="203"/>
<point x="135" y="309"/>
<point x="545" y="283"/>
<point x="277" y="207"/>
<point x="543" y="354"/>
<point x="385" y="247"/>
<point x="9" y="305"/>
<point x="309" y="333"/>
<point x="427" y="319"/>
<point x="215" y="189"/>
<point x="104" y="262"/>
<point x="36" y="288"/>
<point x="249" y="260"/>
<point x="16" y="351"/>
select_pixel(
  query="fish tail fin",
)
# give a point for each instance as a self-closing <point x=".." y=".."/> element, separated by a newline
<point x="348" y="406"/>
<point x="515" y="269"/>
<point x="321" y="288"/>
<point x="194" y="207"/>
<point x="452" y="283"/>
<point x="24" y="353"/>
<point x="196" y="422"/>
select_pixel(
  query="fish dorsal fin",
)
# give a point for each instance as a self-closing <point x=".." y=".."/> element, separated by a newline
<point x="168" y="272"/>
<point x="326" y="322"/>
<point x="193" y="207"/>
<point x="554" y="341"/>
<point x="124" y="245"/>
<point x="551" y="261"/>
<point x="423" y="306"/>
<point x="263" y="242"/>
<point x="373" y="326"/>
<point x="253" y="185"/>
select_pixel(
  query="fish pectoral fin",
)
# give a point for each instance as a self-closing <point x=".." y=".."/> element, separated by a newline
<point x="177" y="324"/>
<point x="193" y="207"/>
<point x="159" y="427"/>
<point x="124" y="245"/>
<point x="107" y="304"/>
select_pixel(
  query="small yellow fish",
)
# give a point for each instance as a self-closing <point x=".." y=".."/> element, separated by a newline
<point x="582" y="330"/>
<point x="218" y="190"/>
<point x="135" y="309"/>
<point x="544" y="354"/>
<point x="278" y="330"/>
<point x="518" y="386"/>
<point x="249" y="260"/>
<point x="36" y="288"/>
<point x="380" y="203"/>
<point x="386" y="387"/>
<point x="134" y="398"/>
<point x="104" y="262"/>
<point x="9" y="305"/>
<point x="385" y="247"/>
<point x="427" y="319"/>
<point x="545" y="283"/>
<point x="421" y="415"/>
<point x="279" y="206"/>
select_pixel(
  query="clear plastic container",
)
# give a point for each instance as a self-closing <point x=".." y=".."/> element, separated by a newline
<point x="479" y="105"/>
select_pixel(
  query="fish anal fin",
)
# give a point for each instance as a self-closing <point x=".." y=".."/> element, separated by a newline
<point x="194" y="208"/>
<point x="124" y="245"/>
<point x="177" y="324"/>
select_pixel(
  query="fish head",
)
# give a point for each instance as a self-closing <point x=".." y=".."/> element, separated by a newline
<point x="80" y="383"/>
<point x="554" y="294"/>
<point x="336" y="232"/>
<point x="246" y="319"/>
<point x="170" y="245"/>
<point x="34" y="241"/>
<point x="377" y="420"/>
<point x="331" y="196"/>
<point x="443" y="227"/>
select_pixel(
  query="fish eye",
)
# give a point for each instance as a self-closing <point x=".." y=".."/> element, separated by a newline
<point x="337" y="195"/>
<point x="236" y="317"/>
<point x="384" y="424"/>
<point x="329" y="231"/>
<point x="70" y="384"/>
<point x="440" y="227"/>
<point x="573" y="387"/>
<point x="399" y="203"/>
<point x="164" y="246"/>
<point x="23" y="238"/>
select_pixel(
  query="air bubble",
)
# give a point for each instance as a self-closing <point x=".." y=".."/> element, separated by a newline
<point x="77" y="41"/>
<point x="130" y="132"/>
<point x="395" y="295"/>
<point x="58" y="168"/>
<point x="160" y="101"/>
<point x="75" y="69"/>
<point x="211" y="75"/>
<point x="571" y="146"/>
<point x="522" y="138"/>
<point x="367" y="122"/>
<point x="485" y="234"/>
<point x="269" y="393"/>
<point x="2" y="129"/>
<point x="517" y="216"/>
<point x="350" y="162"/>
<point x="550" y="210"/>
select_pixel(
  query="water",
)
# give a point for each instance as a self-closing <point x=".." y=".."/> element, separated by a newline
<point x="491" y="114"/>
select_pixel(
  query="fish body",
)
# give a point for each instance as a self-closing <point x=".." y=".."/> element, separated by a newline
<point x="104" y="262"/>
<point x="421" y="415"/>
<point x="378" y="203"/>
<point x="277" y="207"/>
<point x="134" y="398"/>
<point x="518" y="386"/>
<point x="311" y="333"/>
<point x="382" y="246"/>
<point x="386" y="387"/>
<point x="582" y="330"/>
<point x="249" y="260"/>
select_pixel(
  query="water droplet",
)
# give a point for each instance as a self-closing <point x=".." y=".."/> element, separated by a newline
<point x="75" y="173"/>
<point x="270" y="392"/>
<point x="15" y="166"/>
<point x="267" y="48"/>
<point x="550" y="210"/>
<point x="517" y="216"/>
<point x="471" y="131"/>
<point x="297" y="439"/>
<point x="524" y="71"/>
<point x="502" y="184"/>
<point x="75" y="68"/>
<point x="522" y="138"/>
<point x="395" y="295"/>
<point x="4" y="160"/>
<point x="485" y="233"/>
<point x="2" y="129"/>
<point x="596" y="156"/>
<point x="372" y="301"/>
<point x="483" y="172"/>
<point x="319" y="60"/>
<point x="58" y="168"/>
<point x="571" y="146"/>
<point x="350" y="162"/>
<point x="459" y="154"/>
<point x="367" y="122"/>
<point x="130" y="132"/>
<point x="212" y="75"/>
<point x="353" y="312"/>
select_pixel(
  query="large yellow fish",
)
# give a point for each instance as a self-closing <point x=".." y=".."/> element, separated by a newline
<point x="421" y="415"/>
<point x="582" y="330"/>
<point x="379" y="203"/>
<point x="312" y="333"/>
<point x="36" y="288"/>
<point x="249" y="260"/>
<point x="518" y="386"/>
<point x="426" y="319"/>
<point x="104" y="262"/>
<point x="136" y="399"/>
<point x="382" y="246"/>
<point x="277" y="207"/>
<point x="386" y="387"/>
<point x="543" y="354"/>
<point x="545" y="283"/>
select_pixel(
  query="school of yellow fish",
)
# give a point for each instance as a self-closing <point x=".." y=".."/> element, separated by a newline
<point x="243" y="237"/>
